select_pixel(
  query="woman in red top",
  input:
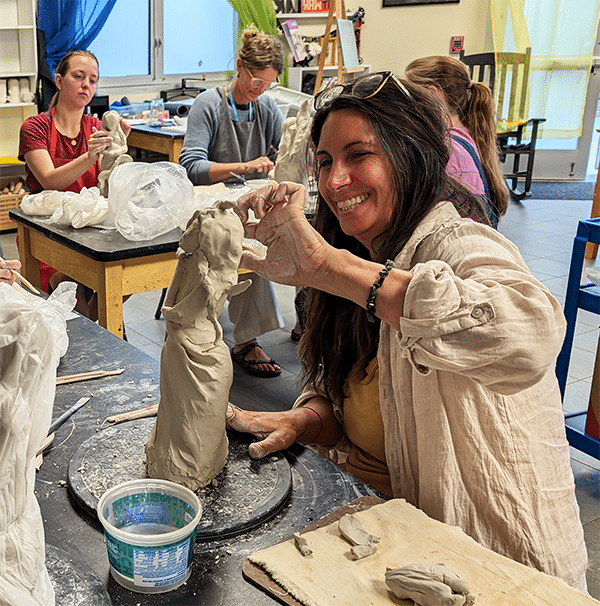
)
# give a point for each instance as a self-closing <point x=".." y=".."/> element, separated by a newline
<point x="62" y="147"/>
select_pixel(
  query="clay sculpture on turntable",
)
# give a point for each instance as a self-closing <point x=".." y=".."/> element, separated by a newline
<point x="188" y="443"/>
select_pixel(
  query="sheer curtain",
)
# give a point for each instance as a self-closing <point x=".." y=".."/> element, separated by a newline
<point x="70" y="25"/>
<point x="562" y="35"/>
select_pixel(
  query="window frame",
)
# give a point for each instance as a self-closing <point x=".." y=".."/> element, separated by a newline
<point x="156" y="79"/>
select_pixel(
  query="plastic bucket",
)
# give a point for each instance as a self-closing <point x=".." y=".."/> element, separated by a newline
<point x="150" y="531"/>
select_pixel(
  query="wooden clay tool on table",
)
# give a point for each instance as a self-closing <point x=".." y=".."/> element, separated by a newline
<point x="29" y="285"/>
<point x="84" y="376"/>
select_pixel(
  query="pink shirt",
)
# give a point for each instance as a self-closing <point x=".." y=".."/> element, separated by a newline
<point x="461" y="165"/>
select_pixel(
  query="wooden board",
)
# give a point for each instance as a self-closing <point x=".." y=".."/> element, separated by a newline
<point x="330" y="577"/>
<point x="259" y="577"/>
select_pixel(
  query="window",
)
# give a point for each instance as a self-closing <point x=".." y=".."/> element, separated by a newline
<point x="163" y="40"/>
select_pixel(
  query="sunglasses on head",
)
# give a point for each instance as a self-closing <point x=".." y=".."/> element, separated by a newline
<point x="365" y="87"/>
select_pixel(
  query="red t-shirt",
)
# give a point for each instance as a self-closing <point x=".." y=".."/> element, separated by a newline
<point x="35" y="134"/>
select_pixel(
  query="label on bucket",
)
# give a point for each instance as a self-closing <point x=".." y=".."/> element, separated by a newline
<point x="153" y="566"/>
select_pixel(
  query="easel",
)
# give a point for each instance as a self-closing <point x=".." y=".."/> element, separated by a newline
<point x="337" y="8"/>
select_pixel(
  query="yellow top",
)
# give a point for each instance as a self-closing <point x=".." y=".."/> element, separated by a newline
<point x="363" y="426"/>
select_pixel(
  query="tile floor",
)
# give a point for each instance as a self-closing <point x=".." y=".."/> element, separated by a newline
<point x="542" y="229"/>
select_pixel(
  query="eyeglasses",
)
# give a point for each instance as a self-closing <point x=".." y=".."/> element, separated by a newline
<point x="365" y="87"/>
<point x="258" y="83"/>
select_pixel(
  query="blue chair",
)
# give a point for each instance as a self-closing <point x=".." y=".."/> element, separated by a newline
<point x="579" y="296"/>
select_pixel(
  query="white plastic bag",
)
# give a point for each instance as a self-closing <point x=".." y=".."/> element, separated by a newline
<point x="87" y="207"/>
<point x="148" y="200"/>
<point x="33" y="336"/>
<point x="44" y="202"/>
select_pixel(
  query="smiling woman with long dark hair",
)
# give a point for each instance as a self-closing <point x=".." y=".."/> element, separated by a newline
<point x="430" y="348"/>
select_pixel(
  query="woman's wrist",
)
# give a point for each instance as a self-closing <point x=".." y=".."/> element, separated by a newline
<point x="243" y="169"/>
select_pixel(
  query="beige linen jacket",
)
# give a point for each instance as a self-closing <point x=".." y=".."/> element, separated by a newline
<point x="474" y="430"/>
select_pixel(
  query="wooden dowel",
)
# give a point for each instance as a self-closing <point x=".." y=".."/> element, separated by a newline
<point x="29" y="285"/>
<point x="148" y="411"/>
<point x="84" y="376"/>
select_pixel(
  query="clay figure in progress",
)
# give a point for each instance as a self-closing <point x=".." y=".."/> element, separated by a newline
<point x="188" y="443"/>
<point x="429" y="585"/>
<point x="114" y="155"/>
<point x="291" y="157"/>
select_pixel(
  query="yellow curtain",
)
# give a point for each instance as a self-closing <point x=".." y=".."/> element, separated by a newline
<point x="562" y="35"/>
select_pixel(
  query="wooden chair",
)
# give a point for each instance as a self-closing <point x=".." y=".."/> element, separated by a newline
<point x="517" y="135"/>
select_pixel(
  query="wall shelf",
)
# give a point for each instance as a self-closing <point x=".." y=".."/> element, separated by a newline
<point x="322" y="15"/>
<point x="18" y="60"/>
<point x="296" y="74"/>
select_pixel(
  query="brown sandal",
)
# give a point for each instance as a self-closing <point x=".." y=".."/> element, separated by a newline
<point x="248" y="365"/>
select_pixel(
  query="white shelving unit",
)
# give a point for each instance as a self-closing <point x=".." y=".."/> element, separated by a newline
<point x="18" y="59"/>
<point x="322" y="15"/>
<point x="296" y="74"/>
<point x="313" y="24"/>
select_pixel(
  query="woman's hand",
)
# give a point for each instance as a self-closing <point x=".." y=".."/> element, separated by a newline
<point x="296" y="253"/>
<point x="258" y="165"/>
<point x="6" y="270"/>
<point x="125" y="127"/>
<point x="275" y="430"/>
<point x="98" y="142"/>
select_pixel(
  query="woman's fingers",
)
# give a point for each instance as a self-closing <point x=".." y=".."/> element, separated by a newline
<point x="272" y="430"/>
<point x="98" y="142"/>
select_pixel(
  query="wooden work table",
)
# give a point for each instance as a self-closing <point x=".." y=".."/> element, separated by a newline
<point x="101" y="259"/>
<point x="155" y="138"/>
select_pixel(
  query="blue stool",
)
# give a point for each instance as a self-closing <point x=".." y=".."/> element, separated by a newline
<point x="578" y="296"/>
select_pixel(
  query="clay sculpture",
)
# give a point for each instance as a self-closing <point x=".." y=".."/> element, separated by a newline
<point x="114" y="155"/>
<point x="188" y="443"/>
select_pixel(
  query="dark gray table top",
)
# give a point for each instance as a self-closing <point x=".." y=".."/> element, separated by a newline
<point x="157" y="130"/>
<point x="102" y="245"/>
<point x="319" y="487"/>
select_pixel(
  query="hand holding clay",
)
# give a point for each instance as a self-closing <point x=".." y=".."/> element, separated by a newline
<point x="258" y="165"/>
<point x="6" y="270"/>
<point x="115" y="153"/>
<point x="275" y="430"/>
<point x="296" y="253"/>
<point x="98" y="142"/>
<point x="429" y="585"/>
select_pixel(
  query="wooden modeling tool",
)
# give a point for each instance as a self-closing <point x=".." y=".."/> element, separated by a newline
<point x="85" y="376"/>
<point x="29" y="285"/>
<point x="148" y="411"/>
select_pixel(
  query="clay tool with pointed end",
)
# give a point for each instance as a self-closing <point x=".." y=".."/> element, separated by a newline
<point x="65" y="415"/>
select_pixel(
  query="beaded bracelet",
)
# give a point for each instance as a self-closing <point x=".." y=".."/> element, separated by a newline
<point x="373" y="290"/>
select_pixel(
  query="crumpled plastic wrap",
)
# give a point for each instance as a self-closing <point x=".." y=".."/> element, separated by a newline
<point x="44" y="202"/>
<point x="81" y="209"/>
<point x="148" y="200"/>
<point x="33" y="337"/>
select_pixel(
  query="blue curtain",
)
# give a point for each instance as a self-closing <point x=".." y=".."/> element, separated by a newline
<point x="70" y="25"/>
